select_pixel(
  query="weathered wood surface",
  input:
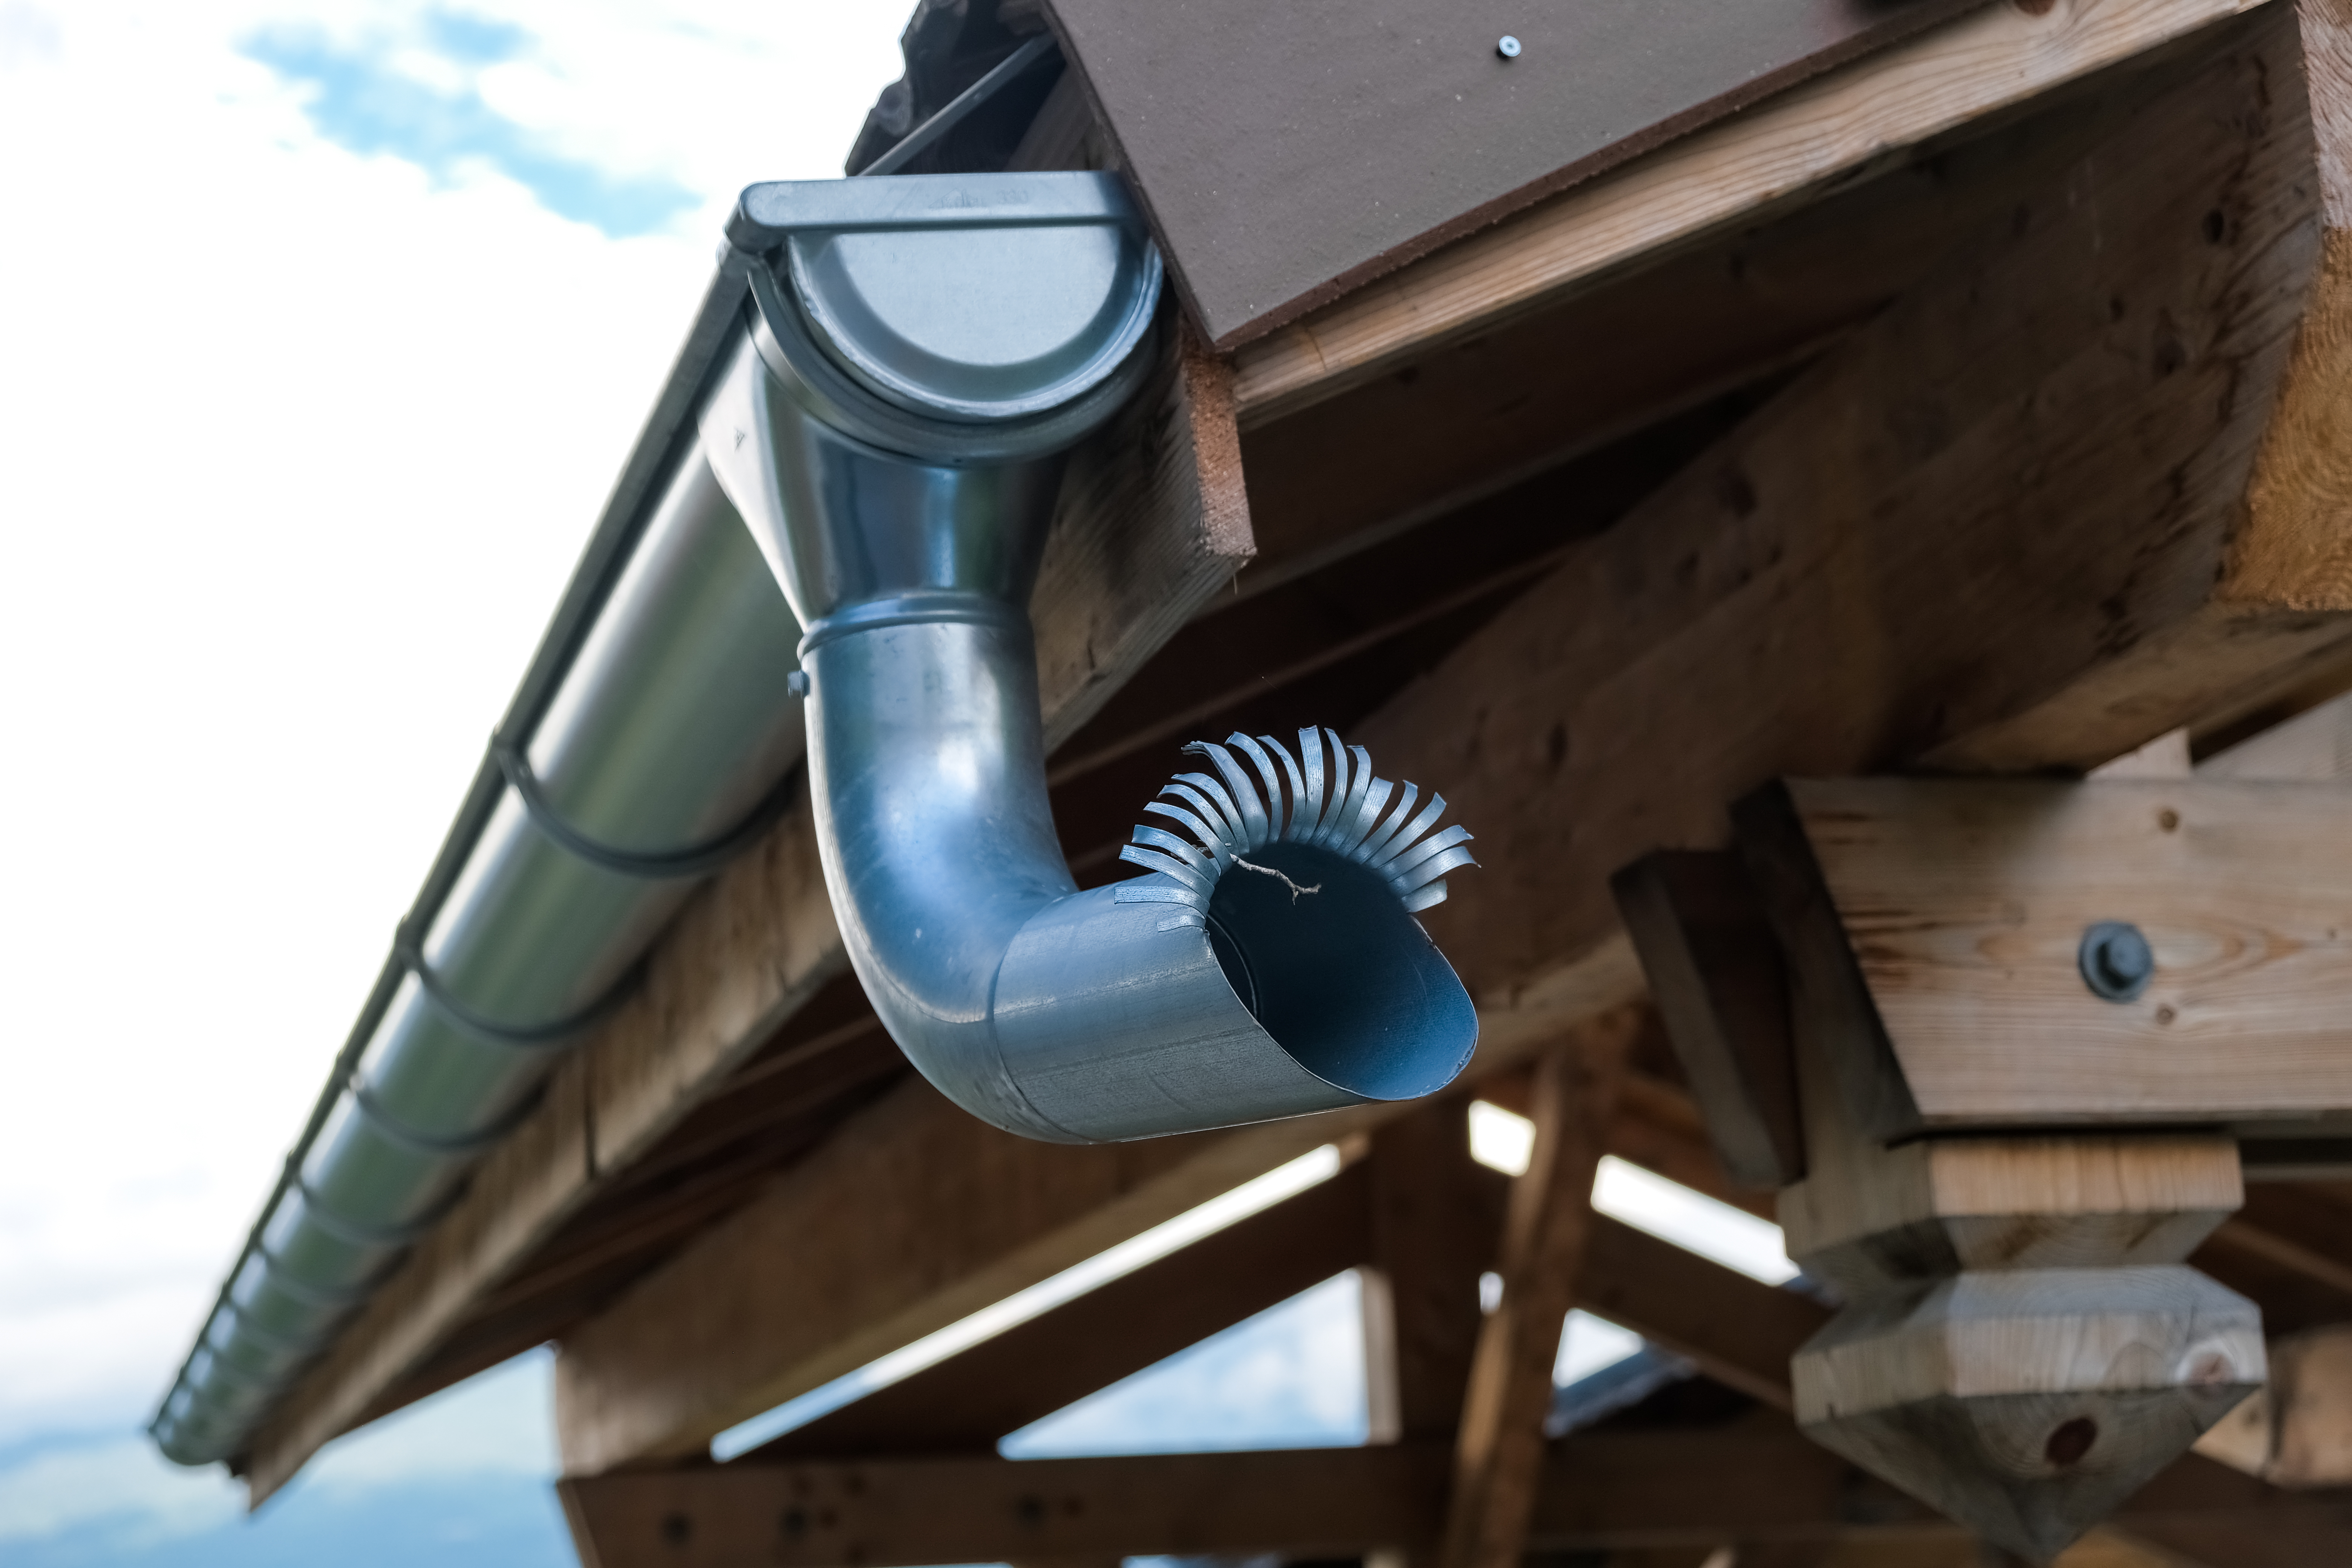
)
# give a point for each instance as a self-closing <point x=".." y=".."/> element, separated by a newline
<point x="911" y="1217"/>
<point x="2029" y="1404"/>
<point x="1941" y="1205"/>
<point x="2297" y="1432"/>
<point x="1965" y="903"/>
<point x="1436" y="1225"/>
<point x="1732" y="173"/>
<point x="1999" y="529"/>
<point x="1153" y="522"/>
<point x="965" y="1404"/>
<point x="1425" y="1217"/>
<point x="2314" y="747"/>
<point x="1286" y="154"/>
<point x="1600" y="1492"/>
<point x="1720" y="986"/>
<point x="1498" y="1445"/>
<point x="1736" y="1330"/>
<point x="2020" y="1343"/>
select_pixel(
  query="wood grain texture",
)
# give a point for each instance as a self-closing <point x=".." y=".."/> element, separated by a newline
<point x="1735" y="1331"/>
<point x="2314" y="747"/>
<point x="1499" y="1447"/>
<point x="1435" y="1227"/>
<point x="1152" y="520"/>
<point x="1286" y="154"/>
<point x="2297" y="1432"/>
<point x="2029" y="1404"/>
<point x="912" y="1217"/>
<point x="966" y="1403"/>
<point x="1964" y="904"/>
<point x="1939" y="1205"/>
<point x="1601" y="1493"/>
<point x="1734" y="172"/>
<point x="1720" y="984"/>
<point x="1966" y="515"/>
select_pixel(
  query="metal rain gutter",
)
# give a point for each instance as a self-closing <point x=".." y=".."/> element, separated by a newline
<point x="882" y="383"/>
<point x="925" y="351"/>
<point x="655" y="732"/>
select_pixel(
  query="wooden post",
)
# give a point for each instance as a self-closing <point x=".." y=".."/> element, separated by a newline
<point x="1436" y="1226"/>
<point x="2022" y="1346"/>
<point x="1498" y="1451"/>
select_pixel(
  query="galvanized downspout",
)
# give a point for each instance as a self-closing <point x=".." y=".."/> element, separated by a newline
<point x="926" y="350"/>
<point x="883" y="383"/>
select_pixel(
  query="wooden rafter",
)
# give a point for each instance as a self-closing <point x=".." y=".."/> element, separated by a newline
<point x="1498" y="1446"/>
<point x="1733" y="172"/>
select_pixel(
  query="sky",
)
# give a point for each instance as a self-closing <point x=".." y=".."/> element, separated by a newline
<point x="324" y="329"/>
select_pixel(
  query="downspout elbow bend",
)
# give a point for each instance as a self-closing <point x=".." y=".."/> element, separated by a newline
<point x="892" y="426"/>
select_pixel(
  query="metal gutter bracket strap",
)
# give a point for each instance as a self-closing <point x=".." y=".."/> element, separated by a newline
<point x="922" y="354"/>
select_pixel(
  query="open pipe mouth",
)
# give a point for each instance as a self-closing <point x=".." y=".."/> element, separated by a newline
<point x="1308" y="908"/>
<point x="924" y="351"/>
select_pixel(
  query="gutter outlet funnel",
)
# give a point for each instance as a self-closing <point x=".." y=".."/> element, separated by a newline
<point x="922" y="352"/>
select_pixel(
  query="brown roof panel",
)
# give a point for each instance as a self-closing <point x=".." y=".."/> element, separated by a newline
<point x="1288" y="151"/>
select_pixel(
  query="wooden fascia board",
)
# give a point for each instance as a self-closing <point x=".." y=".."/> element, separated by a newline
<point x="1995" y="530"/>
<point x="1834" y="128"/>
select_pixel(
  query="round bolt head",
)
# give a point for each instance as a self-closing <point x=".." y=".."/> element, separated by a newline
<point x="797" y="683"/>
<point x="1508" y="47"/>
<point x="2115" y="960"/>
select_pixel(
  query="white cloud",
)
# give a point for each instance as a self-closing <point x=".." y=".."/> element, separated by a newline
<point x="296" y="448"/>
<point x="124" y="1482"/>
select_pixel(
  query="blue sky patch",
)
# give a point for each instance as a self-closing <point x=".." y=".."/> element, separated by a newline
<point x="360" y="103"/>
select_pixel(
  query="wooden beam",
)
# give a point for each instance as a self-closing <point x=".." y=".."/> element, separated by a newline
<point x="1732" y="173"/>
<point x="912" y="1217"/>
<point x="1736" y="1330"/>
<point x="2313" y="747"/>
<point x="1436" y="1225"/>
<point x="1398" y="1209"/>
<point x="1152" y="520"/>
<point x="1940" y="546"/>
<point x="1962" y="907"/>
<point x="1428" y="1224"/>
<point x="968" y="1401"/>
<point x="1721" y="988"/>
<point x="1599" y="1492"/>
<point x="1498" y="1449"/>
<point x="2297" y="1432"/>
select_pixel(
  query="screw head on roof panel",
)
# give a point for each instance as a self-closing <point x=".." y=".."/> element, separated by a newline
<point x="1508" y="47"/>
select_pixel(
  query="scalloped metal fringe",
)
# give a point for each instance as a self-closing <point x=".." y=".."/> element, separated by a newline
<point x="1229" y="816"/>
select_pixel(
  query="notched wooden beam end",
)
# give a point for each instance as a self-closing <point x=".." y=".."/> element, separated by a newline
<point x="1828" y="994"/>
<point x="1721" y="988"/>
